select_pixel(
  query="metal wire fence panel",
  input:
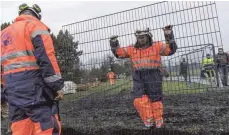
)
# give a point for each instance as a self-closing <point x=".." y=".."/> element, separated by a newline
<point x="193" y="101"/>
<point x="194" y="23"/>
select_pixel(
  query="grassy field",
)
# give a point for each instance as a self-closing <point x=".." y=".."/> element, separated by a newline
<point x="169" y="87"/>
<point x="191" y="72"/>
<point x="176" y="87"/>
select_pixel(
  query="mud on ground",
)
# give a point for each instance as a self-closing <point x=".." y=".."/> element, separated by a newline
<point x="102" y="114"/>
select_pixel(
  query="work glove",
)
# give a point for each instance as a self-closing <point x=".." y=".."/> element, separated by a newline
<point x="114" y="41"/>
<point x="59" y="95"/>
<point x="168" y="33"/>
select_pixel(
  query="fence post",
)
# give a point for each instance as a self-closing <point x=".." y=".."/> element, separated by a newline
<point x="170" y="71"/>
<point x="189" y="78"/>
<point x="215" y="65"/>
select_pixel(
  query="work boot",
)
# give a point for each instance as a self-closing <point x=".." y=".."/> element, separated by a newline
<point x="149" y="123"/>
<point x="159" y="123"/>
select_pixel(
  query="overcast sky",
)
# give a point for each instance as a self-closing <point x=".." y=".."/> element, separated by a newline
<point x="58" y="13"/>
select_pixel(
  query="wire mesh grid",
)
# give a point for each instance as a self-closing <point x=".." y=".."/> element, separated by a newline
<point x="193" y="103"/>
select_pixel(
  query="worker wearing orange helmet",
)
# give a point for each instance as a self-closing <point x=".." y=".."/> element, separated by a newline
<point x="145" y="56"/>
<point x="31" y="75"/>
<point x="111" y="77"/>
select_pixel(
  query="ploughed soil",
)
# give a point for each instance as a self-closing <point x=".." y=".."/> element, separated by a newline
<point x="104" y="114"/>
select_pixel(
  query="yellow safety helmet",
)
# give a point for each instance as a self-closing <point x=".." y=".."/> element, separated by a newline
<point x="34" y="8"/>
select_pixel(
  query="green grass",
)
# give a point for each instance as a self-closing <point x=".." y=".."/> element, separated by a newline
<point x="194" y="72"/>
<point x="169" y="88"/>
<point x="176" y="87"/>
<point x="119" y="86"/>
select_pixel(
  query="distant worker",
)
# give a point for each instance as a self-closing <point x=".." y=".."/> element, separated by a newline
<point x="184" y="70"/>
<point x="111" y="77"/>
<point x="145" y="56"/>
<point x="31" y="75"/>
<point x="208" y="68"/>
<point x="222" y="65"/>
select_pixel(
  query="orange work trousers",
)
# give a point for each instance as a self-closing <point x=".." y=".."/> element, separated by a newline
<point x="28" y="127"/>
<point x="148" y="109"/>
<point x="112" y="81"/>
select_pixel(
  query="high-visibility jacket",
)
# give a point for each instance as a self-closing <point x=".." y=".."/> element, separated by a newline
<point x="27" y="51"/>
<point x="145" y="58"/>
<point x="111" y="75"/>
<point x="208" y="63"/>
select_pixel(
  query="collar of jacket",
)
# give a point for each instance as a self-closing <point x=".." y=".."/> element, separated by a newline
<point x="26" y="17"/>
<point x="29" y="17"/>
<point x="137" y="45"/>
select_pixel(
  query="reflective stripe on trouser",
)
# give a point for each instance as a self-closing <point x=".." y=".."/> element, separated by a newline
<point x="143" y="107"/>
<point x="157" y="109"/>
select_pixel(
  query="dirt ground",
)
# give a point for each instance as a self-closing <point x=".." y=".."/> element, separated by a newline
<point x="103" y="114"/>
<point x="194" y="114"/>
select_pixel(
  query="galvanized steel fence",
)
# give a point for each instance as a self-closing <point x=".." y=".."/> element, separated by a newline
<point x="191" y="101"/>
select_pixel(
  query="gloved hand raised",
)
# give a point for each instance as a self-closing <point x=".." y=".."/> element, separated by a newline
<point x="168" y="32"/>
<point x="114" y="41"/>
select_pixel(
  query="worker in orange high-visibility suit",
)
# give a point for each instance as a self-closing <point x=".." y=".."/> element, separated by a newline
<point x="111" y="77"/>
<point x="31" y="75"/>
<point x="145" y="56"/>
